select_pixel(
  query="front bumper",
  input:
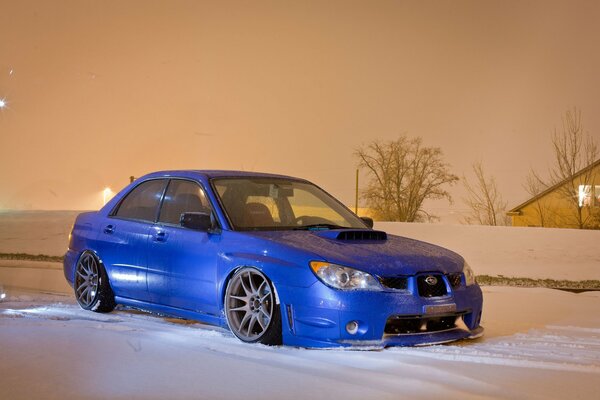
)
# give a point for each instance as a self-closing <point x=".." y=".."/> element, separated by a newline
<point x="317" y="316"/>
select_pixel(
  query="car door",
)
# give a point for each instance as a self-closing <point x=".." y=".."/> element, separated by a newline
<point x="181" y="261"/>
<point x="123" y="239"/>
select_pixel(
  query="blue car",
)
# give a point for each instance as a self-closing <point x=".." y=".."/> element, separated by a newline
<point x="275" y="259"/>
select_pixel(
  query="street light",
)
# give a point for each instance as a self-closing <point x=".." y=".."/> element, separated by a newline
<point x="107" y="195"/>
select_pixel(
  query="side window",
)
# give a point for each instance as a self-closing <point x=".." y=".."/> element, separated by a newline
<point x="142" y="202"/>
<point x="182" y="196"/>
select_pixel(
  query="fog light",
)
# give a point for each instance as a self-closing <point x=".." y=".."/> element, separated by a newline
<point x="352" y="327"/>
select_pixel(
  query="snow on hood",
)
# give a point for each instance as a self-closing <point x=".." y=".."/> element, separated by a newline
<point x="395" y="256"/>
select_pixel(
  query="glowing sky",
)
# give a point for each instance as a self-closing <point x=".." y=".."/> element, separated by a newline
<point x="97" y="91"/>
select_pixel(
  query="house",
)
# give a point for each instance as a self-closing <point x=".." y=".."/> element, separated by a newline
<point x="553" y="207"/>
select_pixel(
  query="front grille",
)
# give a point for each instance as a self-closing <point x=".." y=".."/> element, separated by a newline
<point x="455" y="280"/>
<point x="432" y="285"/>
<point x="395" y="282"/>
<point x="400" y="325"/>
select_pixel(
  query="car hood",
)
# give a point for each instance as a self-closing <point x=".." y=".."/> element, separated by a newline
<point x="393" y="256"/>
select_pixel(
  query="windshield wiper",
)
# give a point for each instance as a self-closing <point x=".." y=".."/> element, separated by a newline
<point x="318" y="227"/>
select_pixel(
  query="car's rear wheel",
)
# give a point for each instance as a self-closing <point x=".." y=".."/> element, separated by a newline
<point x="251" y="309"/>
<point x="92" y="290"/>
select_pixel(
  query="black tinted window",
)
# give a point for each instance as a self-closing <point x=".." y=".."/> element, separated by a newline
<point x="182" y="196"/>
<point x="142" y="202"/>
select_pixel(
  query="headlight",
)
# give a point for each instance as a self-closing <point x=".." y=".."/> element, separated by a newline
<point x="469" y="275"/>
<point x="344" y="278"/>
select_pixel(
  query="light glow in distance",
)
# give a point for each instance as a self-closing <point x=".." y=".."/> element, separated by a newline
<point x="107" y="194"/>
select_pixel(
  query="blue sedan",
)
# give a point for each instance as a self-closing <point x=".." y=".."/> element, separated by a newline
<point x="273" y="258"/>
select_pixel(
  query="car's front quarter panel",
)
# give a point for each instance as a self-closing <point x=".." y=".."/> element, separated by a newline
<point x="282" y="264"/>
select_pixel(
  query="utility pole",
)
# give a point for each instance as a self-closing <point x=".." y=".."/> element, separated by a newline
<point x="356" y="198"/>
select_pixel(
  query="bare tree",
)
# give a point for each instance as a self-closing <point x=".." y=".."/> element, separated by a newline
<point x="534" y="186"/>
<point x="483" y="199"/>
<point x="403" y="174"/>
<point x="574" y="153"/>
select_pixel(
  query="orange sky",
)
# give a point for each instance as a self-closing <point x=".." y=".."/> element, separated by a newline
<point x="101" y="90"/>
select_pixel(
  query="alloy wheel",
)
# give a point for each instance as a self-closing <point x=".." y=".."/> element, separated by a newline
<point x="87" y="278"/>
<point x="249" y="304"/>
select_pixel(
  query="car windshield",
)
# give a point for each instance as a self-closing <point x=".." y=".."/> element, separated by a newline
<point x="281" y="204"/>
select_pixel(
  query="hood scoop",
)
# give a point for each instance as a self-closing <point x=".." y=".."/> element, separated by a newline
<point x="354" y="235"/>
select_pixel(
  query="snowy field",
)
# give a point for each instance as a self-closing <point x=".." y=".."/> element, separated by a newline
<point x="538" y="343"/>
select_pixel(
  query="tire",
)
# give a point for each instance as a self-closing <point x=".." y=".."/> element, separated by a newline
<point x="91" y="286"/>
<point x="252" y="312"/>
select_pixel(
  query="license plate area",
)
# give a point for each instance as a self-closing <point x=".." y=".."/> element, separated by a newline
<point x="439" y="309"/>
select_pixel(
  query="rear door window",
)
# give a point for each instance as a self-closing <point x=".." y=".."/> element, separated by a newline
<point x="143" y="201"/>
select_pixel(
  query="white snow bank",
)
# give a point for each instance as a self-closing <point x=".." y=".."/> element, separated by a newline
<point x="570" y="254"/>
<point x="34" y="275"/>
<point x="36" y="232"/>
<point x="53" y="349"/>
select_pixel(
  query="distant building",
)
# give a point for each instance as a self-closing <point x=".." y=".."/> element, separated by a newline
<point x="550" y="208"/>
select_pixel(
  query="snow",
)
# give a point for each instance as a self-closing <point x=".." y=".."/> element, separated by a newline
<point x="53" y="349"/>
<point x="538" y="343"/>
<point x="543" y="253"/>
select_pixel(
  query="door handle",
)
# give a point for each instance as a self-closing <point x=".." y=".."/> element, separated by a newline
<point x="109" y="229"/>
<point x="160" y="236"/>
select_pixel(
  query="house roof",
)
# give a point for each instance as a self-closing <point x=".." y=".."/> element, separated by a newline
<point x="552" y="188"/>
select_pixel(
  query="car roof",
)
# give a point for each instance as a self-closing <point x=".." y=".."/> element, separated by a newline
<point x="209" y="174"/>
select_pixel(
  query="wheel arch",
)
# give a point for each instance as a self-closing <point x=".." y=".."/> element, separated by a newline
<point x="100" y="263"/>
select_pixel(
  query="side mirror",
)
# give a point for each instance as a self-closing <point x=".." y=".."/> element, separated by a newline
<point x="368" y="221"/>
<point x="198" y="221"/>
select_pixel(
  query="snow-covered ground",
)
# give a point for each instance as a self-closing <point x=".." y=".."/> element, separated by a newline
<point x="538" y="344"/>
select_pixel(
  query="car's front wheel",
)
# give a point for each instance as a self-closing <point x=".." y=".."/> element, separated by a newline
<point x="92" y="290"/>
<point x="251" y="309"/>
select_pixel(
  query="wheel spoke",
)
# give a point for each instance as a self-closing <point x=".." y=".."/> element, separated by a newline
<point x="83" y="267"/>
<point x="246" y="319"/>
<point x="251" y="283"/>
<point x="83" y="292"/>
<point x="261" y="286"/>
<point x="246" y="290"/>
<point x="260" y="321"/>
<point x="251" y="324"/>
<point x="267" y="315"/>
<point x="262" y="299"/>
